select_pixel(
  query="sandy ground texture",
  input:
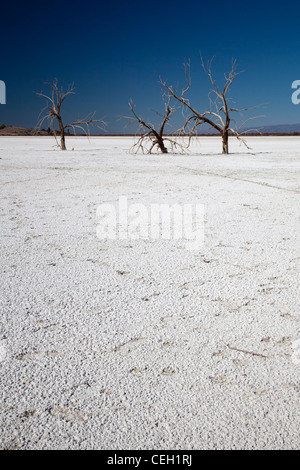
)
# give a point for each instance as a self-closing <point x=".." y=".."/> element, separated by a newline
<point x="143" y="344"/>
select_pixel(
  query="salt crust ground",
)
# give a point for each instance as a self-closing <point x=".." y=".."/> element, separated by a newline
<point x="124" y="344"/>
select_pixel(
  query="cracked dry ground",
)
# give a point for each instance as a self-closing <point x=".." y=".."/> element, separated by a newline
<point x="142" y="344"/>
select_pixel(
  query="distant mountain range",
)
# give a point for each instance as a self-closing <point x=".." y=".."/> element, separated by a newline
<point x="280" y="129"/>
<point x="19" y="131"/>
<point x="275" y="129"/>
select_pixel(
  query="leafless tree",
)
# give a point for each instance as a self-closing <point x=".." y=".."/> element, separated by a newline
<point x="221" y="106"/>
<point x="52" y="113"/>
<point x="148" y="133"/>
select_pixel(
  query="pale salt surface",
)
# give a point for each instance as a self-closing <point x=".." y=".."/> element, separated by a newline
<point x="123" y="344"/>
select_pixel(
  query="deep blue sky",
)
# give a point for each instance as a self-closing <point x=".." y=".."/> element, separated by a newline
<point x="113" y="50"/>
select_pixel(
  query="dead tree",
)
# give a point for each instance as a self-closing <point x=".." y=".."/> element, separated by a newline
<point x="219" y="114"/>
<point x="148" y="133"/>
<point x="52" y="114"/>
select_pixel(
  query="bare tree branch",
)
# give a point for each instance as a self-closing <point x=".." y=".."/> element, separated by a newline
<point x="148" y="133"/>
<point x="218" y="116"/>
<point x="52" y="113"/>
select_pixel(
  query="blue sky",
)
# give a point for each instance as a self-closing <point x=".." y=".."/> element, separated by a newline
<point x="113" y="51"/>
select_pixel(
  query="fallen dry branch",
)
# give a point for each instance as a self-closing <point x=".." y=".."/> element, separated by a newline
<point x="246" y="352"/>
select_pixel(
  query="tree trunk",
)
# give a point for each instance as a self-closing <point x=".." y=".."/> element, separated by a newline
<point x="162" y="145"/>
<point x="62" y="141"/>
<point x="62" y="135"/>
<point x="225" y="142"/>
